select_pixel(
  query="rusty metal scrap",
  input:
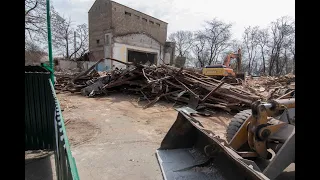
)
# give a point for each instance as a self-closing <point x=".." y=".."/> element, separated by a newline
<point x="164" y="82"/>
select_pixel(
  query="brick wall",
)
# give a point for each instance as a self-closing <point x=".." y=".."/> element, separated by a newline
<point x="99" y="18"/>
<point x="106" y="16"/>
<point x="126" y="20"/>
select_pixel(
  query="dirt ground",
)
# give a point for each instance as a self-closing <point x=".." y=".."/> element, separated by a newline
<point x="115" y="138"/>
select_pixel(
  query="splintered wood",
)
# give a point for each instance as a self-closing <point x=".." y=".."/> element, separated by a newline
<point x="169" y="83"/>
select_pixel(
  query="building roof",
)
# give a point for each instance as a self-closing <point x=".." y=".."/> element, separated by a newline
<point x="138" y="11"/>
<point x="129" y="8"/>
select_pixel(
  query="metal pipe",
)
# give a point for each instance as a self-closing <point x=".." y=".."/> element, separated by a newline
<point x="49" y="41"/>
<point x="268" y="105"/>
<point x="288" y="103"/>
<point x="213" y="90"/>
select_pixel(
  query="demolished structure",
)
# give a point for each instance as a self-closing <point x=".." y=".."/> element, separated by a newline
<point x="119" y="32"/>
<point x="180" y="85"/>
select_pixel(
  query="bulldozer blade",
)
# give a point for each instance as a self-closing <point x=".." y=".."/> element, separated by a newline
<point x="189" y="151"/>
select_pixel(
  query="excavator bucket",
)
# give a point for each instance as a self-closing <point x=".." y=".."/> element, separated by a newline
<point x="189" y="152"/>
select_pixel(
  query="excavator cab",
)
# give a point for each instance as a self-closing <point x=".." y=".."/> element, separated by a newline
<point x="218" y="71"/>
<point x="225" y="71"/>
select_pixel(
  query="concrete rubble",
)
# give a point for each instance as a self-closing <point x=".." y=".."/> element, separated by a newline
<point x="268" y="87"/>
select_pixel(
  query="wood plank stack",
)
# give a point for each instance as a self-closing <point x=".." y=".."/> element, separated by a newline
<point x="166" y="82"/>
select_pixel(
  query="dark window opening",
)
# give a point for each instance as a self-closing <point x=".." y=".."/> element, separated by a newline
<point x="142" y="57"/>
<point x="138" y="17"/>
<point x="158" y="24"/>
<point x="127" y="13"/>
<point x="151" y="22"/>
<point x="106" y="39"/>
<point x="98" y="41"/>
<point x="144" y="19"/>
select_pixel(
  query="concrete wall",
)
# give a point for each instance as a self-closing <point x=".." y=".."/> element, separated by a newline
<point x="136" y="22"/>
<point x="106" y="16"/>
<point x="67" y="65"/>
<point x="169" y="50"/>
<point x="81" y="65"/>
<point x="99" y="18"/>
<point x="120" y="52"/>
<point x="180" y="61"/>
<point x="138" y="42"/>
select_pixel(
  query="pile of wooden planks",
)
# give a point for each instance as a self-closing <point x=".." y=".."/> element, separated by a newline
<point x="167" y="82"/>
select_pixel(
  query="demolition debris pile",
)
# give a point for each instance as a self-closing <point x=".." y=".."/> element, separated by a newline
<point x="166" y="82"/>
<point x="268" y="87"/>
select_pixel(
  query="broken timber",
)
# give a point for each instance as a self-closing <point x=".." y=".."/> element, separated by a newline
<point x="168" y="82"/>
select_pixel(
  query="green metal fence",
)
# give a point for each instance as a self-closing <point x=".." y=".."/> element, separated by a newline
<point x="39" y="109"/>
<point x="44" y="124"/>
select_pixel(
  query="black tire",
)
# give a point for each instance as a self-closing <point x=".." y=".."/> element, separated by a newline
<point x="236" y="123"/>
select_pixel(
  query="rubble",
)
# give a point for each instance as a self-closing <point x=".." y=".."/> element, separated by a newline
<point x="181" y="85"/>
<point x="153" y="83"/>
<point x="268" y="87"/>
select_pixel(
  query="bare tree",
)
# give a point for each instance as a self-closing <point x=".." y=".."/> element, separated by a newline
<point x="62" y="34"/>
<point x="263" y="38"/>
<point x="234" y="45"/>
<point x="82" y="40"/>
<point x="35" y="19"/>
<point x="61" y="28"/>
<point x="200" y="50"/>
<point x="281" y="31"/>
<point x="292" y="49"/>
<point x="250" y="42"/>
<point x="217" y="34"/>
<point x="211" y="42"/>
<point x="183" y="40"/>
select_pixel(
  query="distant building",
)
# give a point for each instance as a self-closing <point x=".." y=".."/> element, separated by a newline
<point x="123" y="33"/>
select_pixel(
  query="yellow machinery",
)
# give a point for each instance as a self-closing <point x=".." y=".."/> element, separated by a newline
<point x="219" y="71"/>
<point x="260" y="144"/>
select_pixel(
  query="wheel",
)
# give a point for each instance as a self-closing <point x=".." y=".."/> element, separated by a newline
<point x="236" y="123"/>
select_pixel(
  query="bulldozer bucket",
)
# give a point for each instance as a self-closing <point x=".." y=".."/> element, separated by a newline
<point x="188" y="152"/>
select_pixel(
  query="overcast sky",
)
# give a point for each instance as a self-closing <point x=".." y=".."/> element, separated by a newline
<point x="191" y="14"/>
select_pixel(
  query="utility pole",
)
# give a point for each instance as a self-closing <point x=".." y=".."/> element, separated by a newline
<point x="75" y="44"/>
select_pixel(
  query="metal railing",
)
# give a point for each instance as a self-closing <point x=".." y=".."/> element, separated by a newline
<point x="44" y="124"/>
<point x="65" y="163"/>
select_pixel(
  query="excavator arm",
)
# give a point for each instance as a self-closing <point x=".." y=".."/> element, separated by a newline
<point x="230" y="56"/>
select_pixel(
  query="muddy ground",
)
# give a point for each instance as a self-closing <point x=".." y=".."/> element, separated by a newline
<point x="115" y="138"/>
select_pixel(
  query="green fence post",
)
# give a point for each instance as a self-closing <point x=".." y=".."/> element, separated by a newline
<point x="50" y="42"/>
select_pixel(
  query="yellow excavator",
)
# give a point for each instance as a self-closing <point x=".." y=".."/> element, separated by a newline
<point x="260" y="145"/>
<point x="224" y="70"/>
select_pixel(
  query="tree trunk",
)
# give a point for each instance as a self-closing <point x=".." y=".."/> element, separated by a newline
<point x="67" y="48"/>
<point x="271" y="65"/>
<point x="263" y="62"/>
